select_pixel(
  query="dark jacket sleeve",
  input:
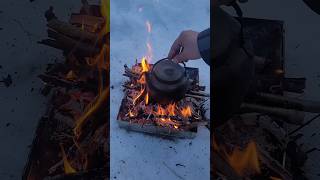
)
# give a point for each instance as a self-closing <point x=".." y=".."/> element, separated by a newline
<point x="204" y="45"/>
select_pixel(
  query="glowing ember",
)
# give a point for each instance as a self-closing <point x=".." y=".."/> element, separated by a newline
<point x="68" y="169"/>
<point x="176" y="127"/>
<point x="186" y="112"/>
<point x="244" y="161"/>
<point x="167" y="122"/>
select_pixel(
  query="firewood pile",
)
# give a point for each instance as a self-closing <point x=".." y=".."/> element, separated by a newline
<point x="260" y="142"/>
<point x="173" y="119"/>
<point x="72" y="139"/>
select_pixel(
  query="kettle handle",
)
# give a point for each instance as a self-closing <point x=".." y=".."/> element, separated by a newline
<point x="184" y="64"/>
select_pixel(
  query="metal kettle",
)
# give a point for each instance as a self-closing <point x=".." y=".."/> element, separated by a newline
<point x="167" y="81"/>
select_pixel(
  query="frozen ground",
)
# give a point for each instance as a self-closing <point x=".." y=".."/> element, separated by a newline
<point x="302" y="58"/>
<point x="22" y="24"/>
<point x="135" y="156"/>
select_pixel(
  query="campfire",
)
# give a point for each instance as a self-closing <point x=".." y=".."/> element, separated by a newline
<point x="148" y="104"/>
<point x="260" y="141"/>
<point x="72" y="140"/>
<point x="139" y="111"/>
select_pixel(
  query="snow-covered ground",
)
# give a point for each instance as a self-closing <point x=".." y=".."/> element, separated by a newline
<point x="135" y="156"/>
<point x="23" y="24"/>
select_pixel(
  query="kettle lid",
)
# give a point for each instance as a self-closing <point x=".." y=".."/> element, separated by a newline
<point x="168" y="71"/>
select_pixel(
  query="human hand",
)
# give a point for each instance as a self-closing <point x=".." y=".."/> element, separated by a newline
<point x="188" y="41"/>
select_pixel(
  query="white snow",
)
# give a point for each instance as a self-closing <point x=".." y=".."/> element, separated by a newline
<point x="136" y="156"/>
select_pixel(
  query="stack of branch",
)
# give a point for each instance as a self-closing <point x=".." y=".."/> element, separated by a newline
<point x="79" y="97"/>
<point x="79" y="35"/>
<point x="194" y="98"/>
<point x="290" y="110"/>
<point x="265" y="117"/>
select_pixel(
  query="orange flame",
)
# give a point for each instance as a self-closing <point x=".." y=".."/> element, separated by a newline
<point x="186" y="112"/>
<point x="144" y="64"/>
<point x="171" y="109"/>
<point x="245" y="160"/>
<point x="91" y="109"/>
<point x="161" y="111"/>
<point x="176" y="127"/>
<point x="147" y="99"/>
<point x="145" y="68"/>
<point x="68" y="169"/>
<point x="142" y="80"/>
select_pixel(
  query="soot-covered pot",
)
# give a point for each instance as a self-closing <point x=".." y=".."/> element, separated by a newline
<point x="167" y="81"/>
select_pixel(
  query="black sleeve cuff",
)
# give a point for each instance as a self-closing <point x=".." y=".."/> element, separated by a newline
<point x="204" y="45"/>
